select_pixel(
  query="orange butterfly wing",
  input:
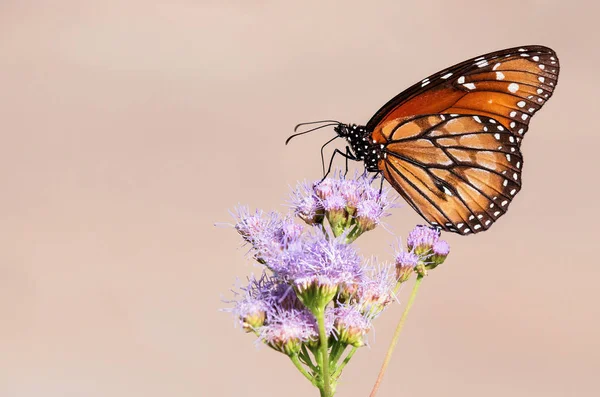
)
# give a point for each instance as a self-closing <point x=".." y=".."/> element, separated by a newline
<point x="451" y="142"/>
<point x="509" y="85"/>
<point x="458" y="172"/>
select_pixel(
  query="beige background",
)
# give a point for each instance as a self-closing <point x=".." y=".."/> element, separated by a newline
<point x="128" y="128"/>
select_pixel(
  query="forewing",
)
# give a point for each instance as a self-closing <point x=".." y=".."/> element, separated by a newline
<point x="509" y="86"/>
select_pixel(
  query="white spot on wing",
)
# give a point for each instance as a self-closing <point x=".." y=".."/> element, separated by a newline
<point x="513" y="87"/>
<point x="461" y="79"/>
<point x="499" y="76"/>
<point x="521" y="104"/>
<point x="470" y="86"/>
<point x="446" y="75"/>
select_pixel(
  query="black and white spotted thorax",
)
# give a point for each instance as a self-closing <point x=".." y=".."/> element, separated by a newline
<point x="362" y="146"/>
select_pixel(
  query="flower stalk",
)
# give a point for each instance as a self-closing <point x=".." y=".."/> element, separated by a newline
<point x="396" y="336"/>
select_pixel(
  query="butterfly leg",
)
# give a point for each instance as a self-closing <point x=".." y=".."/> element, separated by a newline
<point x="381" y="184"/>
<point x="348" y="155"/>
<point x="323" y="147"/>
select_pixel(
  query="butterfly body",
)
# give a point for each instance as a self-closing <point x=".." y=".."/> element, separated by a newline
<point x="361" y="144"/>
<point x="450" y="144"/>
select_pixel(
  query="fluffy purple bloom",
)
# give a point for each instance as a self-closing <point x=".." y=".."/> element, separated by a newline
<point x="440" y="252"/>
<point x="375" y="291"/>
<point x="286" y="331"/>
<point x="321" y="267"/>
<point x="422" y="238"/>
<point x="326" y="188"/>
<point x="262" y="297"/>
<point x="368" y="214"/>
<point x="351" y="325"/>
<point x="441" y="247"/>
<point x="271" y="235"/>
<point x="406" y="262"/>
<point x="351" y="205"/>
<point x="307" y="205"/>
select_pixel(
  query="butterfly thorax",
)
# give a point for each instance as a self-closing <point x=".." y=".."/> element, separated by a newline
<point x="361" y="145"/>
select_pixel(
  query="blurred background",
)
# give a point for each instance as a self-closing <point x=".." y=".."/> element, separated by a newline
<point x="128" y="129"/>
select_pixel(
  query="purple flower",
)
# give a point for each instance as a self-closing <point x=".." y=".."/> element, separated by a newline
<point x="261" y="297"/>
<point x="307" y="205"/>
<point x="406" y="263"/>
<point x="322" y="266"/>
<point x="351" y="325"/>
<point x="326" y="188"/>
<point x="368" y="214"/>
<point x="287" y="330"/>
<point x="440" y="252"/>
<point x="375" y="292"/>
<point x="421" y="239"/>
<point x="351" y="206"/>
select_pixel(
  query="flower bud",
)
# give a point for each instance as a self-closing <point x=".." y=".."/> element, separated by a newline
<point x="421" y="240"/>
<point x="440" y="252"/>
<point x="368" y="214"/>
<point x="335" y="211"/>
<point x="406" y="263"/>
<point x="253" y="320"/>
<point x="351" y="326"/>
<point x="315" y="292"/>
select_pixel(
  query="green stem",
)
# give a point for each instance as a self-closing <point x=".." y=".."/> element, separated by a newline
<point x="305" y="357"/>
<point x="336" y="352"/>
<point x="298" y="364"/>
<point x="338" y="371"/>
<point x="394" y="341"/>
<point x="324" y="356"/>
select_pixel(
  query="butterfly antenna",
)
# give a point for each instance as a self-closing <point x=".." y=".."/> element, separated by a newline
<point x="315" y="122"/>
<point x="329" y="124"/>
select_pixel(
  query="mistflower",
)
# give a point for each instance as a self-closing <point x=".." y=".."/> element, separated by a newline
<point x="350" y="206"/>
<point x="325" y="264"/>
<point x="375" y="293"/>
<point x="326" y="188"/>
<point x="335" y="210"/>
<point x="287" y="330"/>
<point x="351" y="325"/>
<point x="316" y="298"/>
<point x="421" y="239"/>
<point x="368" y="214"/>
<point x="406" y="262"/>
<point x="440" y="249"/>
<point x="307" y="205"/>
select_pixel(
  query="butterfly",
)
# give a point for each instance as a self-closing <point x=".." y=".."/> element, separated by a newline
<point x="450" y="144"/>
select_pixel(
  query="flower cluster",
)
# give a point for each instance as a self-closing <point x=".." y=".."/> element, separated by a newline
<point x="316" y="296"/>
<point x="350" y="206"/>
